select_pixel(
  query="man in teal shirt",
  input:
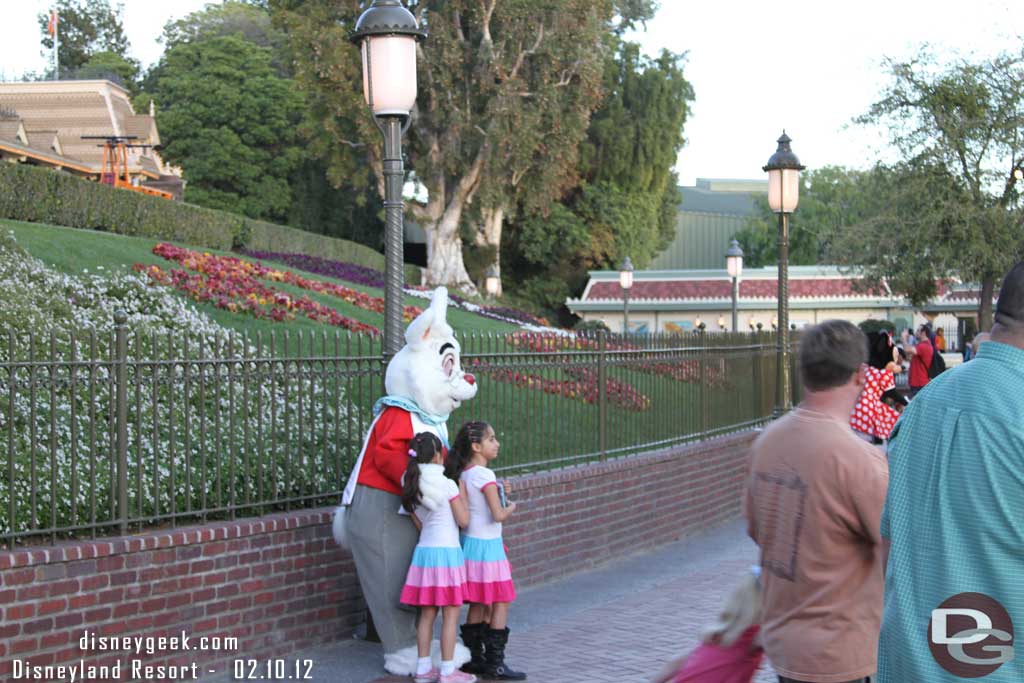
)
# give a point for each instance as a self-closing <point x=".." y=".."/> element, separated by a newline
<point x="954" y="515"/>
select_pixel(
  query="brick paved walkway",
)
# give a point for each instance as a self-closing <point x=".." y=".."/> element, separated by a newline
<point x="618" y="623"/>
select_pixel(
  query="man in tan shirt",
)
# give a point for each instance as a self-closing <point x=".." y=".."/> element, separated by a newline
<point x="813" y="504"/>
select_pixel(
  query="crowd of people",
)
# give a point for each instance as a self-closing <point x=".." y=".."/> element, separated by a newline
<point x="897" y="565"/>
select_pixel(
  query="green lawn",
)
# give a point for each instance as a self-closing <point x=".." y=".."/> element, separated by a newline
<point x="538" y="427"/>
<point x="74" y="250"/>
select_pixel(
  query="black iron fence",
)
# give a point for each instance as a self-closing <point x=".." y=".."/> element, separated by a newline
<point x="102" y="434"/>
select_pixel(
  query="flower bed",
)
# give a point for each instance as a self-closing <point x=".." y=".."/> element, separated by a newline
<point x="582" y="387"/>
<point x="350" y="272"/>
<point x="235" y="285"/>
<point x="374" y="278"/>
<point x="688" y="370"/>
<point x="60" y="435"/>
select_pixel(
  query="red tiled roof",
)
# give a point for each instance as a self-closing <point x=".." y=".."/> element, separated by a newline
<point x="968" y="295"/>
<point x="802" y="288"/>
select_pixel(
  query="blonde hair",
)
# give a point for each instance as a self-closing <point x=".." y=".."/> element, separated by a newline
<point x="741" y="611"/>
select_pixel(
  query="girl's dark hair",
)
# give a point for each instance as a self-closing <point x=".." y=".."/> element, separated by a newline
<point x="425" y="445"/>
<point x="462" y="449"/>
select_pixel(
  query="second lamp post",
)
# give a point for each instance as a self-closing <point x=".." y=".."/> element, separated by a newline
<point x="783" y="196"/>
<point x="734" y="265"/>
<point x="626" y="282"/>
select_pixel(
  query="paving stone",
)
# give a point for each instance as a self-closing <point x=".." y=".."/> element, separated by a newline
<point x="616" y="624"/>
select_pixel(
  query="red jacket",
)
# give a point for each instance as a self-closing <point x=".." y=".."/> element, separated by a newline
<point x="920" y="363"/>
<point x="387" y="451"/>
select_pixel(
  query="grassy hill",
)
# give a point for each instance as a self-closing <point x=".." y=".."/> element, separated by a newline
<point x="74" y="250"/>
<point x="539" y="397"/>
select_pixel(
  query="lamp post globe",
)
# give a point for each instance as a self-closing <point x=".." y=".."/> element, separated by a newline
<point x="783" y="170"/>
<point x="734" y="266"/>
<point x="491" y="281"/>
<point x="386" y="34"/>
<point x="626" y="283"/>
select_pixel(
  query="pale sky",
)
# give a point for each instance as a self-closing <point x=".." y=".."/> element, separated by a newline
<point x="808" y="66"/>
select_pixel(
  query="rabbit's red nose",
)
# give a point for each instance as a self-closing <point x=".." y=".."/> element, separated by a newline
<point x="470" y="378"/>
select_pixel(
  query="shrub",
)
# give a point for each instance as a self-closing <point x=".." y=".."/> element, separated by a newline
<point x="871" y="325"/>
<point x="40" y="195"/>
<point x="590" y="326"/>
<point x="237" y="424"/>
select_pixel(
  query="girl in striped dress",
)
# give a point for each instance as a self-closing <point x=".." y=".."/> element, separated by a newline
<point x="437" y="575"/>
<point x="489" y="587"/>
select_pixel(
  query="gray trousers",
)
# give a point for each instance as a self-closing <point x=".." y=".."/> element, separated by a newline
<point x="382" y="542"/>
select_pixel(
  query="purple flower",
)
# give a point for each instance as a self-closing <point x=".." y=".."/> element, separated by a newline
<point x="370" y="277"/>
<point x="361" y="275"/>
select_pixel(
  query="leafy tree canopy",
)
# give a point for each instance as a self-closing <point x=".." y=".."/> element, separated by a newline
<point x="960" y="130"/>
<point x="506" y="89"/>
<point x="85" y="28"/>
<point x="250" y="21"/>
<point x="627" y="200"/>
<point x="230" y="121"/>
<point x="832" y="199"/>
<point x="102" y="64"/>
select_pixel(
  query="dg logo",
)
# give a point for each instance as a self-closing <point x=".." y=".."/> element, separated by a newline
<point x="971" y="635"/>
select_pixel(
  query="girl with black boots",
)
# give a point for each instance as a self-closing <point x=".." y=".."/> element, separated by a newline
<point x="489" y="589"/>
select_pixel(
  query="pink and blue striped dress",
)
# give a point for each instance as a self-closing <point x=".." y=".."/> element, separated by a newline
<point x="488" y="574"/>
<point x="437" y="574"/>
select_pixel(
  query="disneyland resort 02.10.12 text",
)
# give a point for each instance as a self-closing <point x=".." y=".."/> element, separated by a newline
<point x="135" y="669"/>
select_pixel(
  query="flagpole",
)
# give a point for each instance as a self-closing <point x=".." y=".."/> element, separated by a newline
<point x="56" y="45"/>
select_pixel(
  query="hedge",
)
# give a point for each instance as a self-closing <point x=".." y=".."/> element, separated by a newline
<point x="40" y="195"/>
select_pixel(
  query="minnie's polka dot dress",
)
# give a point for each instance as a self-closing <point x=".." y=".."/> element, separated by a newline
<point x="870" y="416"/>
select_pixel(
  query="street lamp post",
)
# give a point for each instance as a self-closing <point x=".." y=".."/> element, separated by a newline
<point x="626" y="283"/>
<point x="783" y="196"/>
<point x="386" y="34"/>
<point x="734" y="264"/>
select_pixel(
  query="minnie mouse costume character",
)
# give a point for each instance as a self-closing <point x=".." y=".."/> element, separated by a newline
<point x="424" y="383"/>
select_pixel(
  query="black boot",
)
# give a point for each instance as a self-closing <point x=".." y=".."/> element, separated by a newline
<point x="495" y="656"/>
<point x="473" y="638"/>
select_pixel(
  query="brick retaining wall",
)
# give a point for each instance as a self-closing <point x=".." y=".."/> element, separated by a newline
<point x="279" y="584"/>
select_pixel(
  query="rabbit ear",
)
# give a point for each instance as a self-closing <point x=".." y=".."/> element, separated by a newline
<point x="439" y="305"/>
<point x="420" y="328"/>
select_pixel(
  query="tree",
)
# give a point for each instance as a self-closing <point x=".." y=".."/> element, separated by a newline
<point x="506" y="90"/>
<point x="230" y="121"/>
<point x="960" y="129"/>
<point x="249" y="20"/>
<point x="85" y="28"/>
<point x="832" y="199"/>
<point x="104" y="64"/>
<point x="627" y="199"/>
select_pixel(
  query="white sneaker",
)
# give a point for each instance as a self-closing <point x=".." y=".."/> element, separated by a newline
<point x="429" y="677"/>
<point x="458" y="677"/>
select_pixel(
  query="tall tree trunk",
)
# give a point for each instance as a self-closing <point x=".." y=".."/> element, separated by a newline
<point x="444" y="252"/>
<point x="988" y="285"/>
<point x="440" y="220"/>
<point x="489" y="235"/>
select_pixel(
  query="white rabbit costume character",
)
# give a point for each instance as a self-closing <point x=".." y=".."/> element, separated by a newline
<point x="424" y="383"/>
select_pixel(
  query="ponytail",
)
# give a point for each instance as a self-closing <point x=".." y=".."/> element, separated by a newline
<point x="422" y="450"/>
<point x="411" y="496"/>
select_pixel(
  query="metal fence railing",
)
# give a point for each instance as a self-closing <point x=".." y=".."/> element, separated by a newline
<point x="101" y="434"/>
